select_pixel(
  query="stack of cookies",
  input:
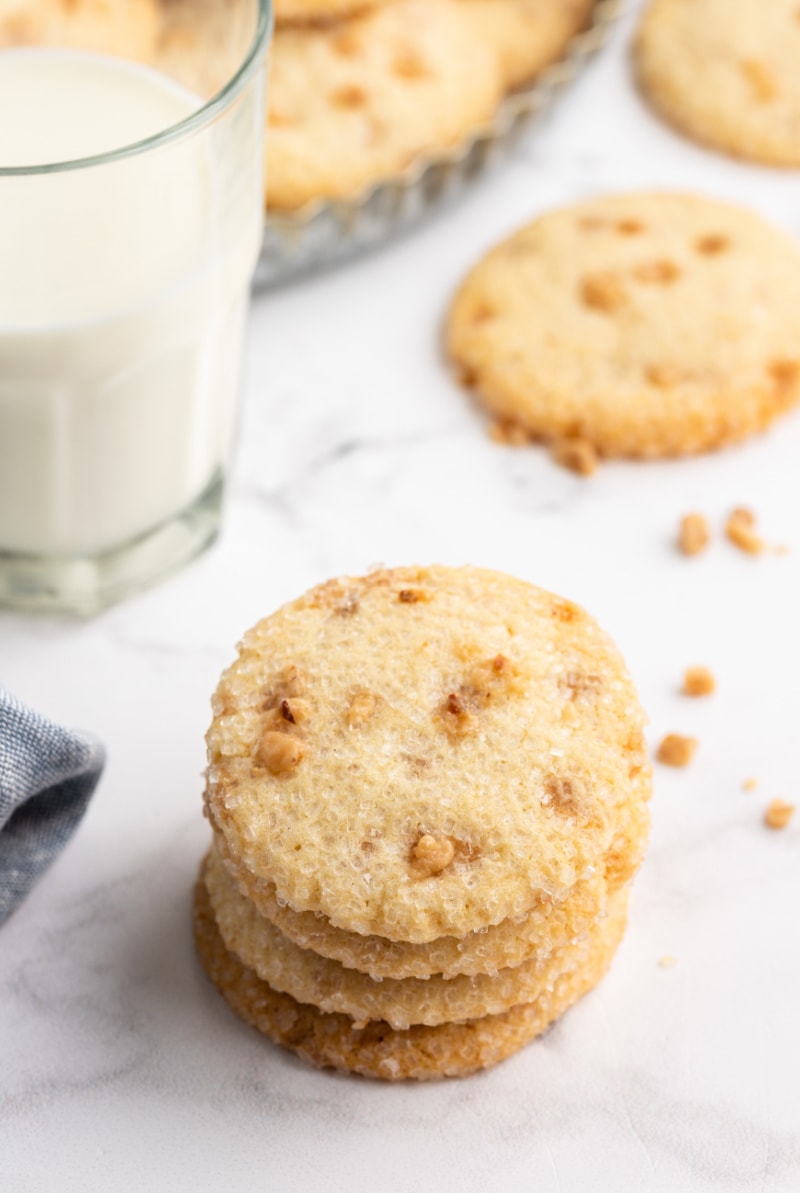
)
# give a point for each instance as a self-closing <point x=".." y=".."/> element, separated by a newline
<point x="428" y="789"/>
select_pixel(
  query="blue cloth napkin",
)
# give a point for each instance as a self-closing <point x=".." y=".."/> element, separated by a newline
<point x="47" y="776"/>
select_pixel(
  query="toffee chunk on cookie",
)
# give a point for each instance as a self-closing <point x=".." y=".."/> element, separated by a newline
<point x="646" y="324"/>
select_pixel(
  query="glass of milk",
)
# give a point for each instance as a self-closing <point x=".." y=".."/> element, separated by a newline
<point x="131" y="214"/>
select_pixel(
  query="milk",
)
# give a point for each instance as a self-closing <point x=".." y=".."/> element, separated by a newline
<point x="123" y="297"/>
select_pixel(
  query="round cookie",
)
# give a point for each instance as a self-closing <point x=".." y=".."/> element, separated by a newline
<point x="356" y="103"/>
<point x="485" y="951"/>
<point x="424" y="751"/>
<point x="124" y="28"/>
<point x="726" y="72"/>
<point x="330" y="987"/>
<point x="376" y="1050"/>
<point x="650" y="325"/>
<point x="310" y="11"/>
<point x="527" y="35"/>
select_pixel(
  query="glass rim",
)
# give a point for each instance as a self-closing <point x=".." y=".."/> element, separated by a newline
<point x="205" y="115"/>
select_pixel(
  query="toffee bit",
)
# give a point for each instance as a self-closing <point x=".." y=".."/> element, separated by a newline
<point x="750" y="785"/>
<point x="740" y="529"/>
<point x="576" y="454"/>
<point x="279" y="753"/>
<point x="677" y="750"/>
<point x="698" y="681"/>
<point x="693" y="535"/>
<point x="778" y="814"/>
<point x="432" y="855"/>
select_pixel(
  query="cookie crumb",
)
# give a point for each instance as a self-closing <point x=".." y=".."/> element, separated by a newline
<point x="578" y="455"/>
<point x="677" y="750"/>
<point x="509" y="433"/>
<point x="778" y="814"/>
<point x="740" y="529"/>
<point x="693" y="536"/>
<point x="667" y="961"/>
<point x="750" y="785"/>
<point x="698" y="681"/>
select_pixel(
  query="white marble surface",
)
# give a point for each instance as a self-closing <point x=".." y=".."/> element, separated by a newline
<point x="121" y="1069"/>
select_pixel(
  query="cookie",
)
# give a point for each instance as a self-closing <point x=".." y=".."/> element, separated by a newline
<point x="527" y="35"/>
<point x="647" y="325"/>
<point x="425" y="752"/>
<point x="356" y="103"/>
<point x="376" y="1050"/>
<point x="314" y="11"/>
<point x="727" y="73"/>
<point x="482" y="952"/>
<point x="124" y="28"/>
<point x="330" y="987"/>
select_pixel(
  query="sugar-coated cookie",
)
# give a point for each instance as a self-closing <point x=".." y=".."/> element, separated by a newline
<point x="375" y="1049"/>
<point x="426" y="751"/>
<point x="726" y="72"/>
<point x="646" y="324"/>
<point x="331" y="987"/>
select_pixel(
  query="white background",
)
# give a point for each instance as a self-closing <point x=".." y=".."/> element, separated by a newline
<point x="121" y="1068"/>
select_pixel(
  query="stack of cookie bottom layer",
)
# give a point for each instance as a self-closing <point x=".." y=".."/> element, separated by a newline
<point x="337" y="1016"/>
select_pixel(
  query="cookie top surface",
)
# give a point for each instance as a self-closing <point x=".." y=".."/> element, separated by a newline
<point x="357" y="102"/>
<point x="528" y="35"/>
<point x="726" y="73"/>
<point x="649" y="324"/>
<point x="423" y="751"/>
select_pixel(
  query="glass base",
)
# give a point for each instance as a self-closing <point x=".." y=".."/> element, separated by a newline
<point x="85" y="584"/>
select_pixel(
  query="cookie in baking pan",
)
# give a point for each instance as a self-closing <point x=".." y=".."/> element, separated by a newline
<point x="726" y="72"/>
<point x="359" y="101"/>
<point x="646" y="324"/>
